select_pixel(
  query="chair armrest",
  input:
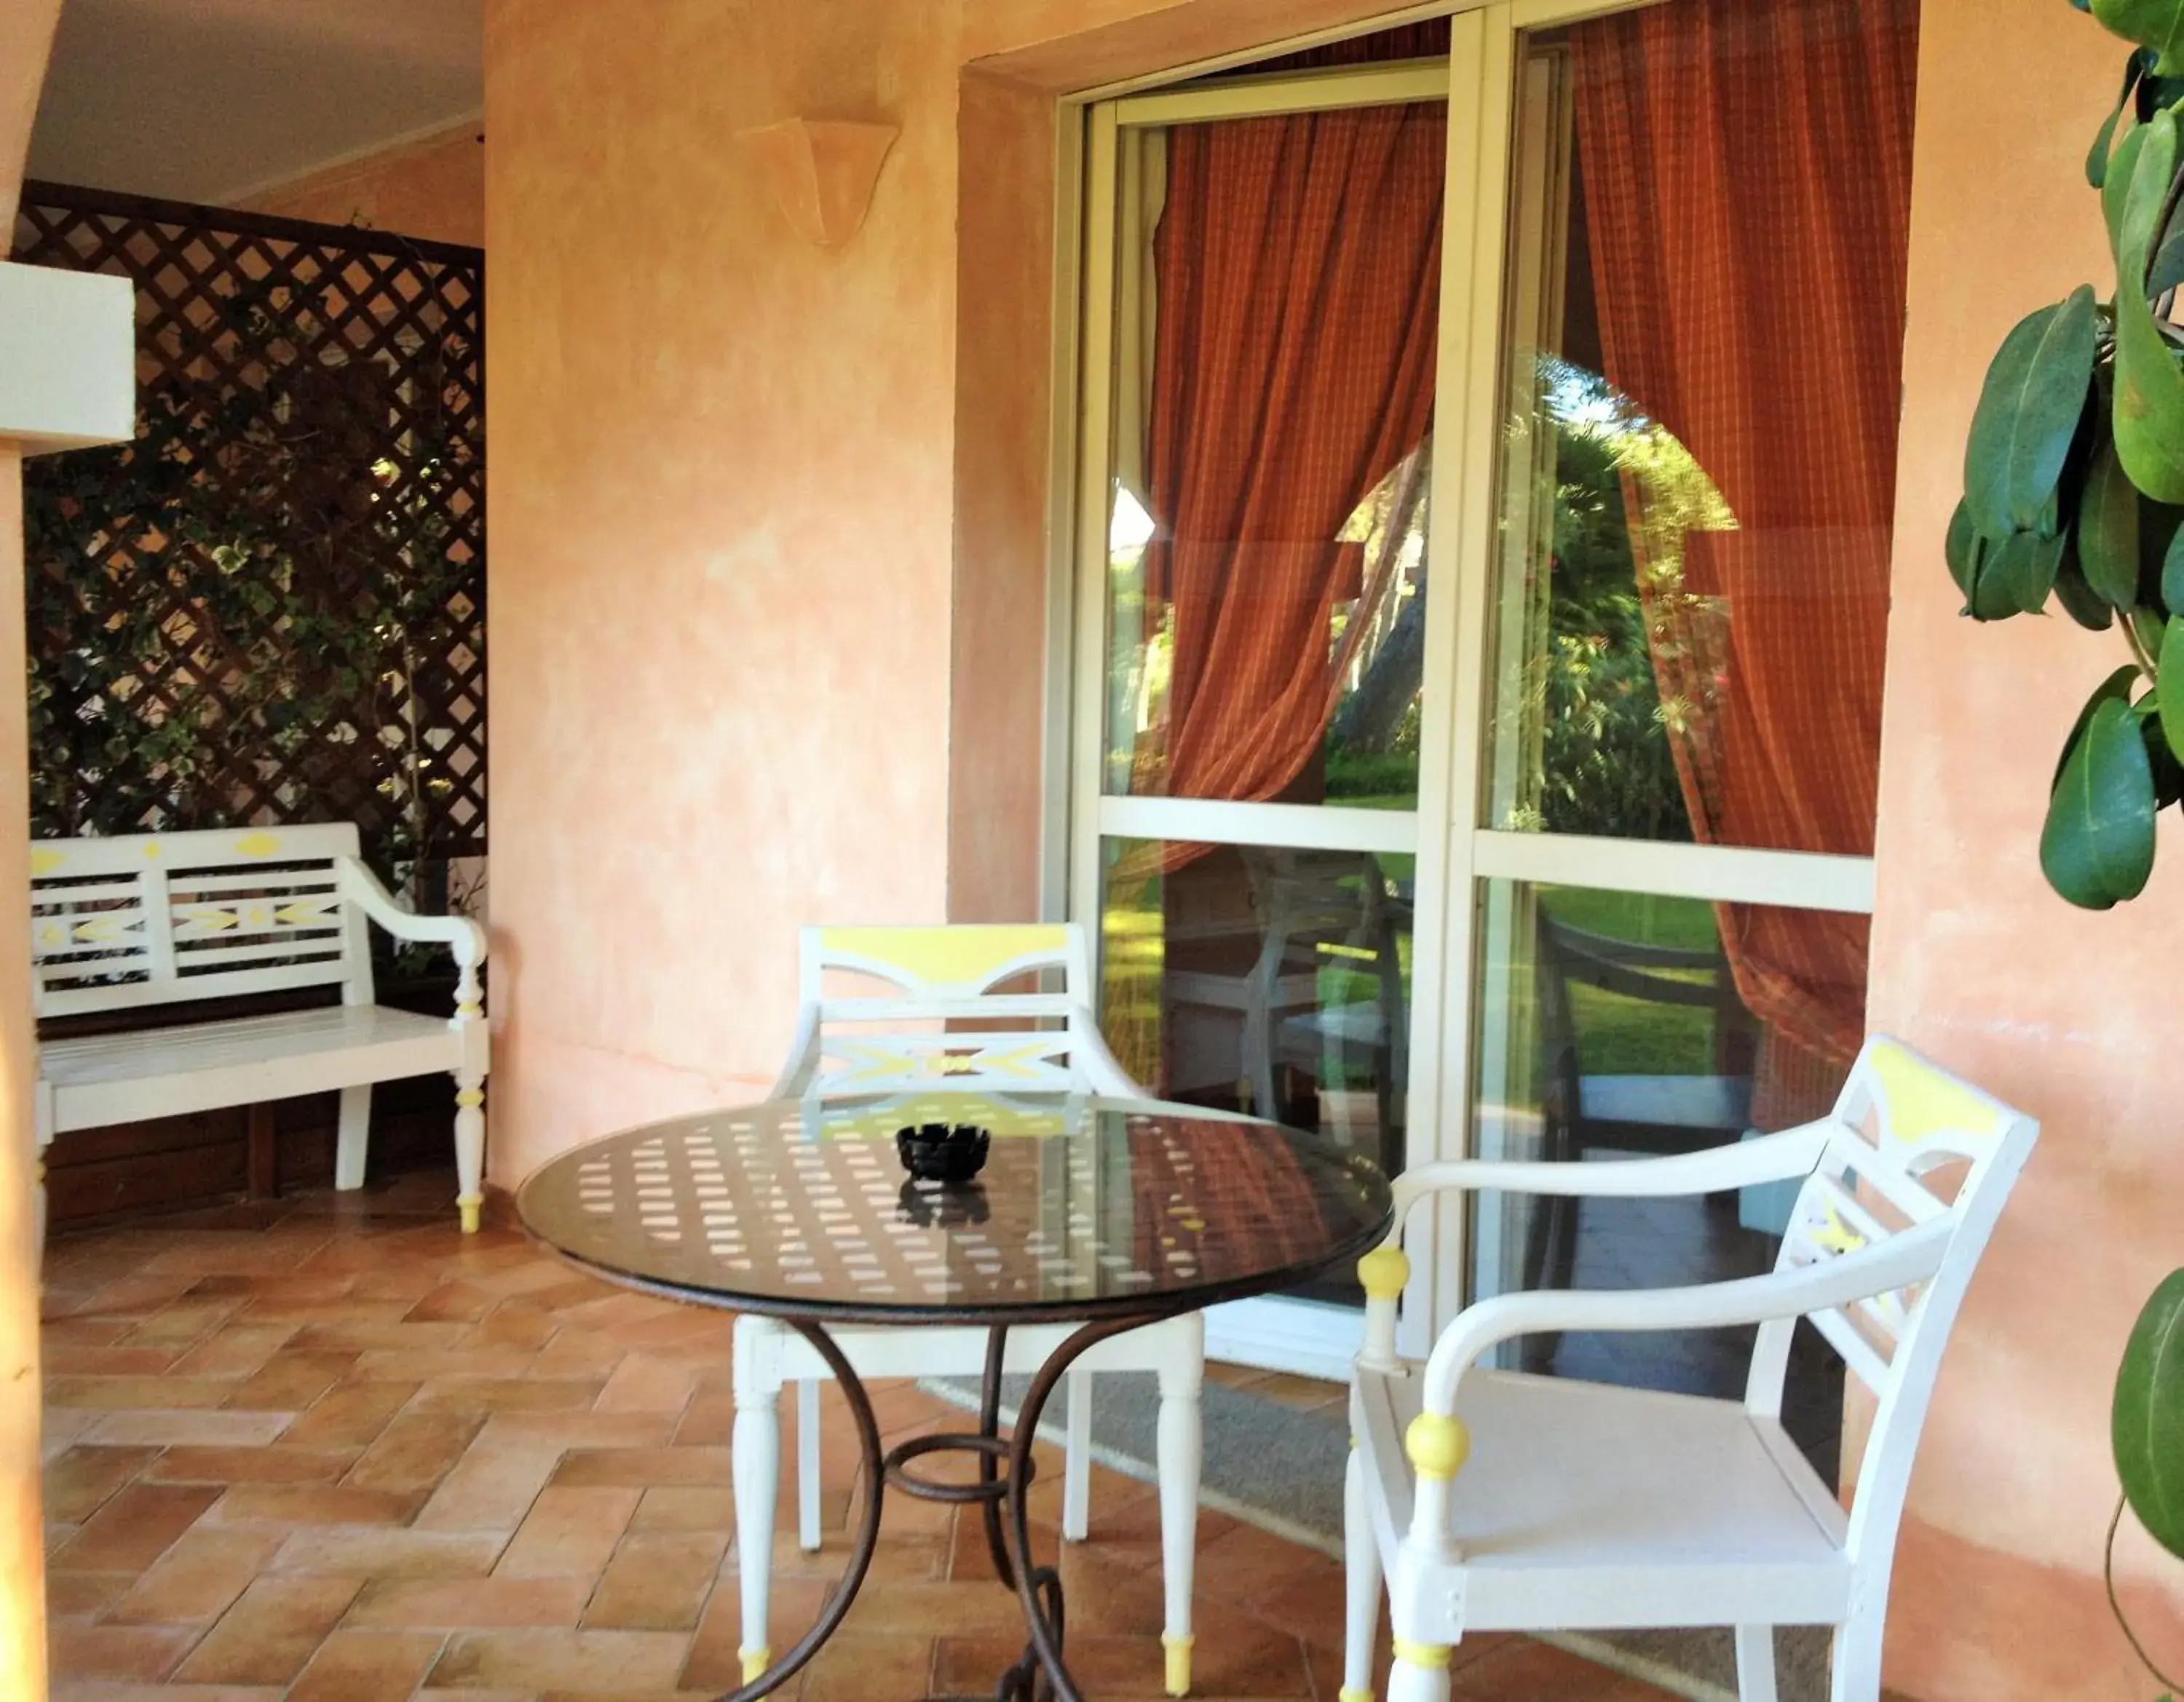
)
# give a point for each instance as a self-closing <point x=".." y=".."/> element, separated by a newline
<point x="1102" y="1071"/>
<point x="1913" y="1255"/>
<point x="1385" y="1271"/>
<point x="796" y="1072"/>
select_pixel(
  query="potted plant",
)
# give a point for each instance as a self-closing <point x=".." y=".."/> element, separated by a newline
<point x="2074" y="493"/>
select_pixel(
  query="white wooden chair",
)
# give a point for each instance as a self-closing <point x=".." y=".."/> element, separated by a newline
<point x="150" y="921"/>
<point x="1591" y="1508"/>
<point x="897" y="1043"/>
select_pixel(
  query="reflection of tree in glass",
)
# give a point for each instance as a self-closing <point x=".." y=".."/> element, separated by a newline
<point x="1607" y="763"/>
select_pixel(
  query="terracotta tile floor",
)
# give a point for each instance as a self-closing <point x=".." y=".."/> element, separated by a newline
<point x="328" y="1448"/>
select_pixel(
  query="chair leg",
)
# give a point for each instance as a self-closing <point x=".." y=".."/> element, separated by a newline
<point x="354" y="1130"/>
<point x="470" y="1145"/>
<point x="1361" y="1556"/>
<point x="807" y="1465"/>
<point x="1420" y="1673"/>
<point x="1755" y="1663"/>
<point x="1177" y="1445"/>
<point x="755" y="1468"/>
<point x="1076" y="1460"/>
<point x="1857" y="1654"/>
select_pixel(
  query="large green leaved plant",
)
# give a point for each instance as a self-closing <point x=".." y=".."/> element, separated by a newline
<point x="2074" y="494"/>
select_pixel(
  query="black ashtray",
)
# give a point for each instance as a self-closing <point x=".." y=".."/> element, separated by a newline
<point x="935" y="1152"/>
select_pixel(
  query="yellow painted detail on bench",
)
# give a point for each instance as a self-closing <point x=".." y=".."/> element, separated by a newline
<point x="1386" y="1272"/>
<point x="257" y="844"/>
<point x="470" y="1096"/>
<point x="305" y="910"/>
<point x="756" y="1662"/>
<point x="1437" y="1446"/>
<point x="1921" y="1101"/>
<point x="1178" y="1663"/>
<point x="1836" y="1236"/>
<point x="945" y="956"/>
<point x="102" y="930"/>
<point x="45" y="862"/>
<point x="468" y="1205"/>
<point x="1350" y="1694"/>
<point x="1426" y="1655"/>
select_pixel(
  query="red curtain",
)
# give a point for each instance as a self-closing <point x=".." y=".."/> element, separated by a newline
<point x="1299" y="271"/>
<point x="1746" y="167"/>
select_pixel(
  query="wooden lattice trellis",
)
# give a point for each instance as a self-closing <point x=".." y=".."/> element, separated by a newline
<point x="271" y="607"/>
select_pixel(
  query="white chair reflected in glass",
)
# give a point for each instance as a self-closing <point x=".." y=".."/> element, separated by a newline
<point x="901" y="1036"/>
<point x="1588" y="1507"/>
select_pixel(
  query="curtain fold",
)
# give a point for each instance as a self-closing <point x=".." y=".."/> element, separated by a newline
<point x="1299" y="271"/>
<point x="1747" y="173"/>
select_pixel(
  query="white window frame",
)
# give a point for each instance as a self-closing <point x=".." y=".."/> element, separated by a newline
<point x="1458" y="849"/>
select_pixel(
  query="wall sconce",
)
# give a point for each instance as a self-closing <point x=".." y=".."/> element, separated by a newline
<point x="822" y="172"/>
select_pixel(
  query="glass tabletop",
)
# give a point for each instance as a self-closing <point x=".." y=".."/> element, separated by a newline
<point x="1084" y="1206"/>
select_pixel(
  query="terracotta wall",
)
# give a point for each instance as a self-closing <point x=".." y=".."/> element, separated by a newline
<point x="2070" y="1014"/>
<point x="26" y="35"/>
<point x="434" y="187"/>
<point x="767" y="559"/>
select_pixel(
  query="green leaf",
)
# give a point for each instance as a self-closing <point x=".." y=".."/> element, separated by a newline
<point x="2155" y="24"/>
<point x="2096" y="848"/>
<point x="2003" y="568"/>
<point x="2149" y="399"/>
<point x="2079" y="601"/>
<point x="2108" y="529"/>
<point x="2168" y="685"/>
<point x="2146" y="1420"/>
<point x="2122" y="169"/>
<point x="2167" y="270"/>
<point x="2097" y="161"/>
<point x="2115" y="689"/>
<point x="2146" y="196"/>
<point x="2031" y="563"/>
<point x="2028" y="413"/>
<point x="1964" y="550"/>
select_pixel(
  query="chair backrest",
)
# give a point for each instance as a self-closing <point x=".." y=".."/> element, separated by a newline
<point x="144" y="919"/>
<point x="1908" y="1145"/>
<point x="915" y="1029"/>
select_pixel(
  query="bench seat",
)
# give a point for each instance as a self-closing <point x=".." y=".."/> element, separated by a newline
<point x="104" y="1079"/>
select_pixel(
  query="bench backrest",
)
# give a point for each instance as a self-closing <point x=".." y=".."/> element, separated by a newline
<point x="145" y="918"/>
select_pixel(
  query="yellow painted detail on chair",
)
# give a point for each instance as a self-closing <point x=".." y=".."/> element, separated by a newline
<point x="945" y="956"/>
<point x="1836" y="1236"/>
<point x="472" y="1008"/>
<point x="1178" y="1663"/>
<point x="1920" y="1101"/>
<point x="471" y="1097"/>
<point x="1427" y="1654"/>
<point x="151" y="850"/>
<point x="258" y="917"/>
<point x="52" y="935"/>
<point x="1350" y="1693"/>
<point x="756" y="1662"/>
<point x="1437" y="1446"/>
<point x="303" y="910"/>
<point x="1385" y="1271"/>
<point x="45" y="862"/>
<point x="257" y="844"/>
<point x="104" y="930"/>
<point x="468" y="1205"/>
<point x="209" y="917"/>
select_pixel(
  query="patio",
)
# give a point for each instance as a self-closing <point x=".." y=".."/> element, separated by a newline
<point x="326" y="1446"/>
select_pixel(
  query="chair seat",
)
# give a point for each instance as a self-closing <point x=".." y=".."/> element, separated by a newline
<point x="1588" y="1507"/>
<point x="102" y="1079"/>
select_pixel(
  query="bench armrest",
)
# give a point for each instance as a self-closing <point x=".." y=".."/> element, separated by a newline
<point x="465" y="938"/>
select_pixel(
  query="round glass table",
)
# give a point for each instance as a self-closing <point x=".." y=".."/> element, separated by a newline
<point x="1105" y="1213"/>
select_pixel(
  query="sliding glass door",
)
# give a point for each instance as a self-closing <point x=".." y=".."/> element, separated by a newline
<point x="1486" y="478"/>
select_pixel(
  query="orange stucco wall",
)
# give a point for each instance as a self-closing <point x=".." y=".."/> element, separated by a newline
<point x="26" y="35"/>
<point x="2070" y="1014"/>
<point x="434" y="187"/>
<point x="768" y="547"/>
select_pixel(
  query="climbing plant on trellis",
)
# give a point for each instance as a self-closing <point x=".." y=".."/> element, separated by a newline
<point x="271" y="607"/>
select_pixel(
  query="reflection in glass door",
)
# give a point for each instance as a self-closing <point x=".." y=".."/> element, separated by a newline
<point x="1262" y="349"/>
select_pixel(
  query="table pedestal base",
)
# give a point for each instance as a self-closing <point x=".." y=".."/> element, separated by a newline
<point x="1006" y="1469"/>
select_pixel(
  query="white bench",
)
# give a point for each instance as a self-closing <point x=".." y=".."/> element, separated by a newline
<point x="161" y="919"/>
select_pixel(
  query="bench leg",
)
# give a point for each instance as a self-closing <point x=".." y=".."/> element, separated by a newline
<point x="355" y="1132"/>
<point x="470" y="1145"/>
